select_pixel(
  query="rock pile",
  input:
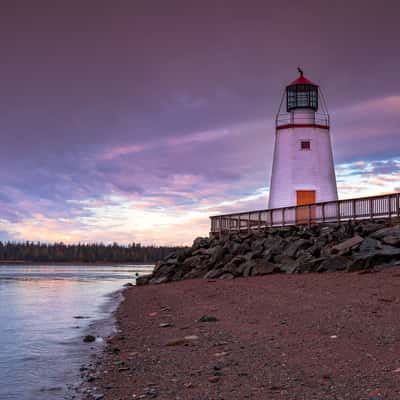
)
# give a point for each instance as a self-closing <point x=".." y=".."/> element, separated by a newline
<point x="350" y="246"/>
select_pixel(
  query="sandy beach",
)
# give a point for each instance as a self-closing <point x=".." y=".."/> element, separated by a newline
<point x="312" y="336"/>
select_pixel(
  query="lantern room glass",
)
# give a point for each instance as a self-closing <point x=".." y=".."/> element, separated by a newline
<point x="302" y="96"/>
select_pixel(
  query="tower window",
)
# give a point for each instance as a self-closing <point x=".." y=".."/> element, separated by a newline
<point x="305" y="145"/>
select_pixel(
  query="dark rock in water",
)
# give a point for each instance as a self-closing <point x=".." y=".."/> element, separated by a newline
<point x="127" y="284"/>
<point x="89" y="338"/>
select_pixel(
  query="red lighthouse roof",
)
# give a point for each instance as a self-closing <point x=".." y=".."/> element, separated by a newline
<point x="302" y="80"/>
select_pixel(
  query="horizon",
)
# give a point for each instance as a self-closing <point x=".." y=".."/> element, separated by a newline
<point x="133" y="124"/>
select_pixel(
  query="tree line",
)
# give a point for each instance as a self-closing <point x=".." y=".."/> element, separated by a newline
<point x="85" y="253"/>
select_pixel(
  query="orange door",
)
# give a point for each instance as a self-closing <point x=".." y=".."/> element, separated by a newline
<point x="305" y="197"/>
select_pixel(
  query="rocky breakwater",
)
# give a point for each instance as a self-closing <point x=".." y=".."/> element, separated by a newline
<point x="350" y="246"/>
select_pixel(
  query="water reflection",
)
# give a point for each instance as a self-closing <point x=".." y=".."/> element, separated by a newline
<point x="40" y="338"/>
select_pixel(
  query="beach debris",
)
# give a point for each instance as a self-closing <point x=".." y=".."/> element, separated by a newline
<point x="191" y="337"/>
<point x="221" y="354"/>
<point x="166" y="325"/>
<point x="207" y="318"/>
<point x="81" y="317"/>
<point x="153" y="314"/>
<point x="89" y="338"/>
<point x="151" y="392"/>
<point x="333" y="336"/>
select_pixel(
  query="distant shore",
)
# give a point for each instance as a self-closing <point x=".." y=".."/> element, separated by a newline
<point x="314" y="336"/>
<point x="70" y="263"/>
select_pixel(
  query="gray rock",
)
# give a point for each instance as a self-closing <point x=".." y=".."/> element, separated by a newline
<point x="390" y="231"/>
<point x="263" y="267"/>
<point x="200" y="242"/>
<point x="367" y="228"/>
<point x="214" y="273"/>
<point x="307" y="266"/>
<point x="226" y="275"/>
<point x="347" y="245"/>
<point x="334" y="263"/>
<point x="217" y="254"/>
<point x="392" y="240"/>
<point x="143" y="280"/>
<point x="242" y="249"/>
<point x="159" y="280"/>
<point x="368" y="245"/>
<point x="387" y="255"/>
<point x="295" y="246"/>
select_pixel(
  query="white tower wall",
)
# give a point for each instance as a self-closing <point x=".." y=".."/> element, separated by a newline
<point x="295" y="169"/>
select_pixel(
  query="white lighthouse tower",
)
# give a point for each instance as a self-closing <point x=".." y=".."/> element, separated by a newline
<point x="303" y="170"/>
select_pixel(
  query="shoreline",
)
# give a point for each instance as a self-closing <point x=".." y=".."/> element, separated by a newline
<point x="103" y="329"/>
<point x="315" y="336"/>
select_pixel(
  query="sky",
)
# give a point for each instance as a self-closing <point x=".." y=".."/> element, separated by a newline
<point x="135" y="121"/>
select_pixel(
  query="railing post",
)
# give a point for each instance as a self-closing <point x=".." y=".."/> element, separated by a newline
<point x="220" y="226"/>
<point x="323" y="212"/>
<point x="338" y="210"/>
<point x="354" y="208"/>
<point x="398" y="204"/>
<point x="283" y="216"/>
<point x="309" y="215"/>
<point x="259" y="220"/>
<point x="390" y="207"/>
<point x="371" y="208"/>
<point x="248" y="223"/>
<point x="272" y="216"/>
<point x="239" y="223"/>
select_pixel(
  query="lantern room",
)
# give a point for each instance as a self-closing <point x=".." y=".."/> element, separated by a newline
<point x="301" y="93"/>
<point x="302" y="103"/>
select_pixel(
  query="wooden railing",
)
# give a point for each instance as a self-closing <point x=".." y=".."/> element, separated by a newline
<point x="385" y="206"/>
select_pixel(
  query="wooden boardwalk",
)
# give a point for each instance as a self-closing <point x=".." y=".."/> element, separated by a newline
<point x="385" y="206"/>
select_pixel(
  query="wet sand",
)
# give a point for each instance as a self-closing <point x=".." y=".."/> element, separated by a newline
<point x="313" y="336"/>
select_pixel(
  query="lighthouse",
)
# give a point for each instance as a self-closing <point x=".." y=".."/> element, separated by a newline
<point x="303" y="169"/>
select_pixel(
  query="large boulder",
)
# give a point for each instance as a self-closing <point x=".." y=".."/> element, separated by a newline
<point x="347" y="245"/>
<point x="334" y="263"/>
<point x="258" y="267"/>
<point x="386" y="256"/>
<point x="200" y="242"/>
<point x="381" y="234"/>
<point x="263" y="267"/>
<point x="292" y="249"/>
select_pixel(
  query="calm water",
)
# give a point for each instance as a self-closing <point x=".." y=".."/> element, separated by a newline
<point x="41" y="348"/>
